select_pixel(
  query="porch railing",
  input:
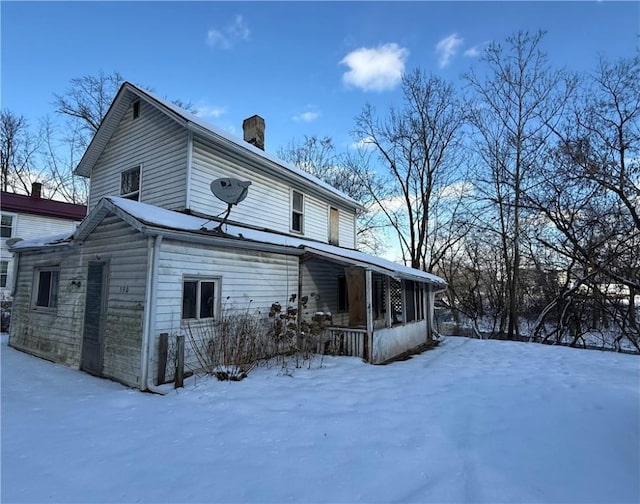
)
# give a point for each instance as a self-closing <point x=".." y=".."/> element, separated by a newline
<point x="343" y="341"/>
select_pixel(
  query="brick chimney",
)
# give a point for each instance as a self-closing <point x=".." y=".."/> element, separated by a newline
<point x="253" y="128"/>
<point x="36" y="190"/>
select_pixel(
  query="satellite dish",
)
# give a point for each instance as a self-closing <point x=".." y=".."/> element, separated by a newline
<point x="231" y="191"/>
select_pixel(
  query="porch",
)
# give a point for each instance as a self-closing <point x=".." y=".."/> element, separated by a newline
<point x="374" y="313"/>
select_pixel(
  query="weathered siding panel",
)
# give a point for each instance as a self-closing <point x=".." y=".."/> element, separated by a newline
<point x="389" y="342"/>
<point x="126" y="277"/>
<point x="57" y="334"/>
<point x="320" y="284"/>
<point x="53" y="334"/>
<point x="159" y="145"/>
<point x="250" y="283"/>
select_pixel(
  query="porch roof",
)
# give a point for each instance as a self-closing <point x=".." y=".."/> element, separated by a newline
<point x="153" y="220"/>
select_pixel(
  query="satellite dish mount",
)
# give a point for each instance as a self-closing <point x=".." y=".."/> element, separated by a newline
<point x="231" y="191"/>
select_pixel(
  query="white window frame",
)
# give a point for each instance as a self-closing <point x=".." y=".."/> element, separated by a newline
<point x="54" y="287"/>
<point x="132" y="195"/>
<point x="217" y="284"/>
<point x="12" y="227"/>
<point x="295" y="211"/>
<point x="4" y="274"/>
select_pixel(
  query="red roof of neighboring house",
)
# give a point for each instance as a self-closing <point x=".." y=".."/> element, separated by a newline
<point x="11" y="202"/>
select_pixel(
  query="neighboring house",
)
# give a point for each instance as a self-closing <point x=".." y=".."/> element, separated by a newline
<point x="31" y="216"/>
<point x="152" y="256"/>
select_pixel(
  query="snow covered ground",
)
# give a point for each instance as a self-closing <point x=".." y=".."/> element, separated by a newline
<point x="471" y="421"/>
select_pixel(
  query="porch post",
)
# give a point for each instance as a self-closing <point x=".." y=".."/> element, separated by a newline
<point x="387" y="301"/>
<point x="369" y="306"/>
<point x="430" y="302"/>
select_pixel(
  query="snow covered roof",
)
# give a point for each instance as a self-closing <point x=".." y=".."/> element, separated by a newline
<point x="152" y="220"/>
<point x="201" y="127"/>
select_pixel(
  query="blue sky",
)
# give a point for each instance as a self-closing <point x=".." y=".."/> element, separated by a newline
<point x="306" y="67"/>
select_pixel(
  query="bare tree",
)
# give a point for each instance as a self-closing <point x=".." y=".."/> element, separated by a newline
<point x="513" y="105"/>
<point x="418" y="148"/>
<point x="18" y="153"/>
<point x="590" y="191"/>
<point x="87" y="100"/>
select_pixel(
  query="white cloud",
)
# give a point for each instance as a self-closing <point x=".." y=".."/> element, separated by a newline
<point x="307" y="117"/>
<point x="475" y="51"/>
<point x="205" y="110"/>
<point x="447" y="49"/>
<point x="225" y="39"/>
<point x="363" y="143"/>
<point x="375" y="69"/>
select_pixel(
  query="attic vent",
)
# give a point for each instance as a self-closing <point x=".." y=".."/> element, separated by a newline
<point x="136" y="109"/>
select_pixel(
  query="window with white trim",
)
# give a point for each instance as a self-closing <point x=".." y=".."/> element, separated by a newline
<point x="130" y="184"/>
<point x="200" y="298"/>
<point x="6" y="226"/>
<point x="4" y="273"/>
<point x="297" y="211"/>
<point x="46" y="283"/>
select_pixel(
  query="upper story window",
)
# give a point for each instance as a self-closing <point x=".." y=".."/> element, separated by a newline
<point x="297" y="211"/>
<point x="130" y="184"/>
<point x="136" y="109"/>
<point x="334" y="226"/>
<point x="6" y="228"/>
<point x="46" y="287"/>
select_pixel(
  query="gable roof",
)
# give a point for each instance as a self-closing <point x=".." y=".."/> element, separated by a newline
<point x="129" y="92"/>
<point x="152" y="220"/>
<point x="20" y="203"/>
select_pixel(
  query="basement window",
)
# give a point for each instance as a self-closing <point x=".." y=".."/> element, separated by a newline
<point x="130" y="184"/>
<point x="200" y="298"/>
<point x="297" y="211"/>
<point x="46" y="287"/>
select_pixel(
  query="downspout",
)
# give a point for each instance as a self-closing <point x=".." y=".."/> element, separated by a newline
<point x="14" y="273"/>
<point x="150" y="316"/>
<point x="189" y="167"/>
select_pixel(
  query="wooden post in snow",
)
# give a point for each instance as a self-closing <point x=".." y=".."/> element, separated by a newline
<point x="180" y="362"/>
<point x="162" y="357"/>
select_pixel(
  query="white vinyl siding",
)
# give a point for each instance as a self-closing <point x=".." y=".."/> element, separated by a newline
<point x="27" y="226"/>
<point x="347" y="229"/>
<point x="266" y="204"/>
<point x="249" y="281"/>
<point x="154" y="141"/>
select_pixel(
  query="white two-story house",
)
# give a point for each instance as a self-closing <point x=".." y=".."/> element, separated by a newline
<point x="156" y="254"/>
